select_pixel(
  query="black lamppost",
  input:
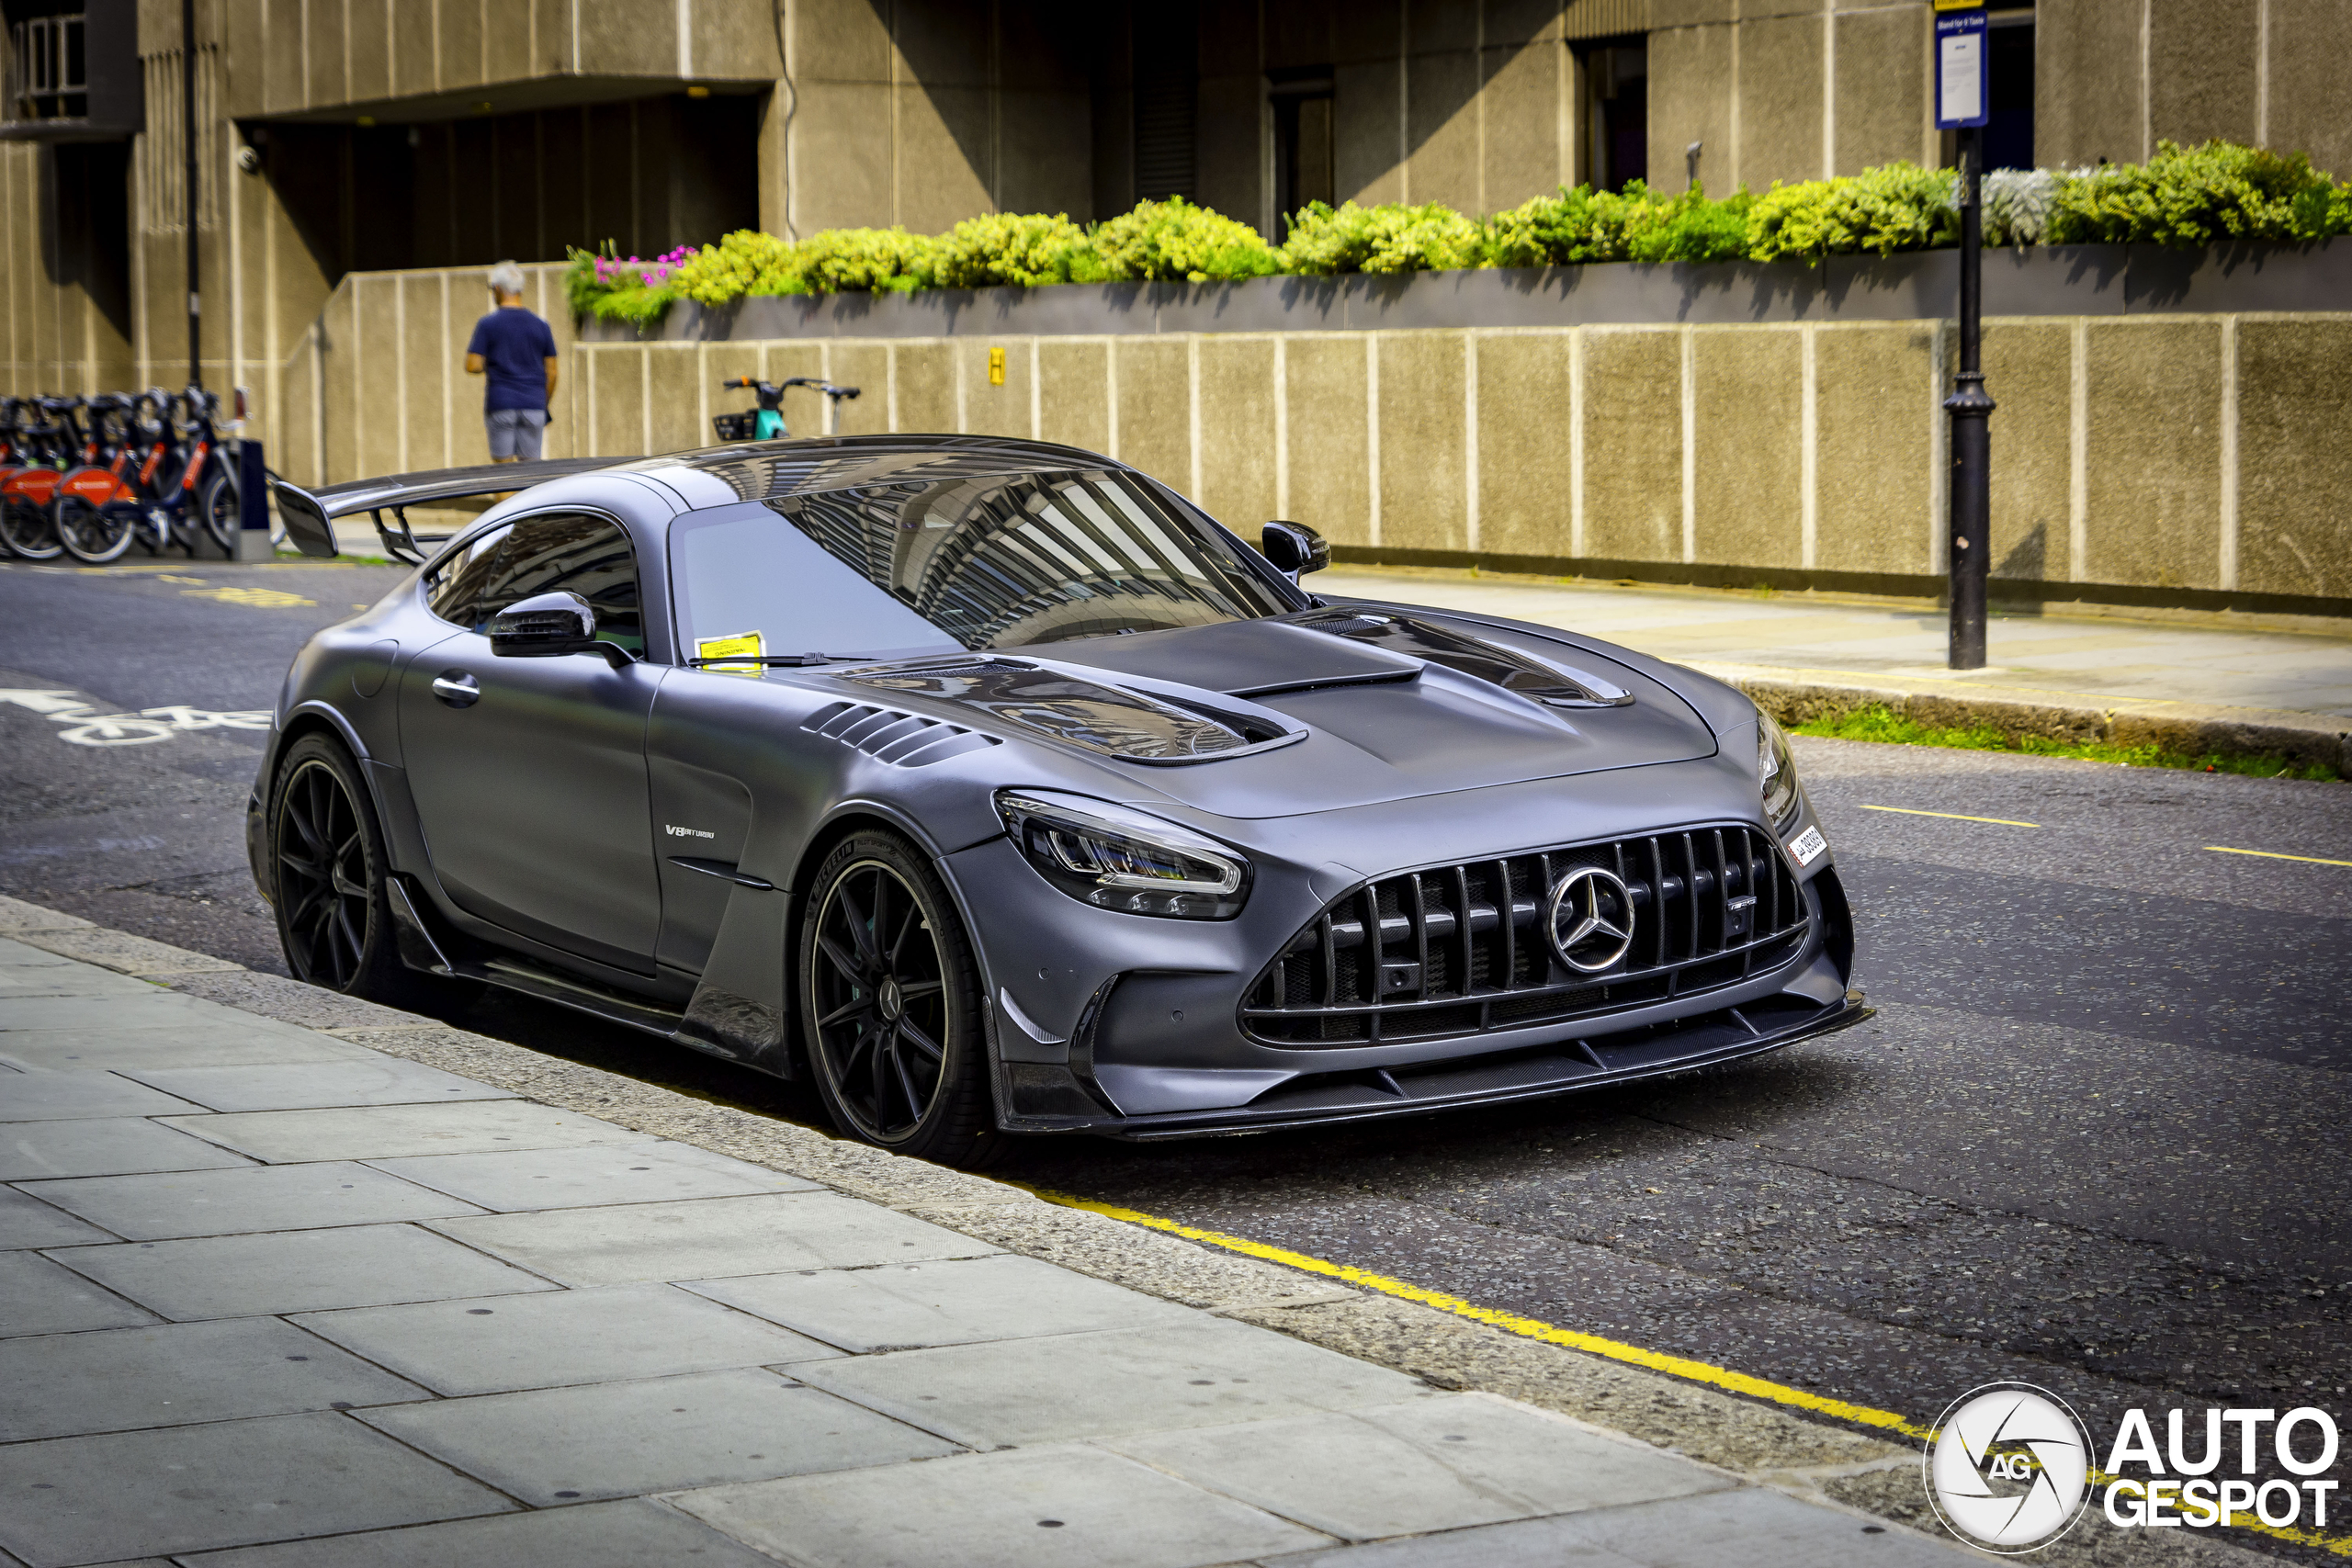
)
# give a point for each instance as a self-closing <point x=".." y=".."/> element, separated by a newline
<point x="1972" y="498"/>
<point x="188" y="136"/>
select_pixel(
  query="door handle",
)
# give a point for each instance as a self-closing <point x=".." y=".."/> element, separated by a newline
<point x="457" y="688"/>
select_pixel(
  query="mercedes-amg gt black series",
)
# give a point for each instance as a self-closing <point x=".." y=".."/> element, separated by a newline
<point x="998" y="789"/>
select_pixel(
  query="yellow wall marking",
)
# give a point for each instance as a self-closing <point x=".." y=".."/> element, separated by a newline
<point x="2273" y="854"/>
<point x="1613" y="1349"/>
<point x="1954" y="816"/>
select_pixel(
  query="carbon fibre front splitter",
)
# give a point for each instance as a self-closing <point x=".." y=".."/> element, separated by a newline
<point x="1706" y="1041"/>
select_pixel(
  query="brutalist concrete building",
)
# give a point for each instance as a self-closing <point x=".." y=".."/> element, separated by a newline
<point x="338" y="136"/>
<point x="2170" y="428"/>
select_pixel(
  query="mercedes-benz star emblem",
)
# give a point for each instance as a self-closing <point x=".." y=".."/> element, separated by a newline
<point x="1590" y="918"/>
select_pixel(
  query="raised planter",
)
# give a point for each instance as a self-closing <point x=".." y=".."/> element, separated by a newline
<point x="2074" y="280"/>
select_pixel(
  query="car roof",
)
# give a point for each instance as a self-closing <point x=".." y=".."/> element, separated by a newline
<point x="768" y="470"/>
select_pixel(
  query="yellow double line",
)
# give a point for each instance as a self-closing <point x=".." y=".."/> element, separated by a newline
<point x="1681" y="1367"/>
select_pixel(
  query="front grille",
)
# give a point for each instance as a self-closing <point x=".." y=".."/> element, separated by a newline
<point x="1711" y="905"/>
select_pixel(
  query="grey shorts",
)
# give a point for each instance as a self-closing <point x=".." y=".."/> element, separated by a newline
<point x="514" y="433"/>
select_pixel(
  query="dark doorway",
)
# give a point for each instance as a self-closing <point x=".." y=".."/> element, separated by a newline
<point x="94" y="225"/>
<point x="2008" y="65"/>
<point x="1303" y="168"/>
<point x="1617" y="112"/>
<point x="1167" y="88"/>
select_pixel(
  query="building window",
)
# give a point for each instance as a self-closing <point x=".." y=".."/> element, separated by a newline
<point x="1167" y="87"/>
<point x="1303" y="169"/>
<point x="2009" y="68"/>
<point x="1617" y="112"/>
<point x="50" y="74"/>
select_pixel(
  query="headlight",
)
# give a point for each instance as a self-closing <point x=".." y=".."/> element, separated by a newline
<point x="1123" y="860"/>
<point x="1776" y="768"/>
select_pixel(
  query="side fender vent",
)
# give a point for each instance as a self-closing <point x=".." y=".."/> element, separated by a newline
<point x="901" y="739"/>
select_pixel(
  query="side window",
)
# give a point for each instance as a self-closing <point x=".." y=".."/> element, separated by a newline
<point x="589" y="556"/>
<point x="454" y="585"/>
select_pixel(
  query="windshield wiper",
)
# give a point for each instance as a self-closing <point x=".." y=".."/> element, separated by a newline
<point x="772" y="660"/>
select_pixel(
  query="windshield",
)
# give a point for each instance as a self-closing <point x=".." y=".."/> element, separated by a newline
<point x="996" y="562"/>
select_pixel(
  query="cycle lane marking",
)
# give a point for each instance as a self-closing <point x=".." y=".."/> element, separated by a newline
<point x="86" y="724"/>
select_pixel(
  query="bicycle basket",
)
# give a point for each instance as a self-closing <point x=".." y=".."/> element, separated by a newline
<point x="736" y="427"/>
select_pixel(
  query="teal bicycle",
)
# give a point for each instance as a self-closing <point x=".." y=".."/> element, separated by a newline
<point x="765" y="423"/>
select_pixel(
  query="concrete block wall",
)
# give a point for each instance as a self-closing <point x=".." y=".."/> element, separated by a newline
<point x="2180" y="457"/>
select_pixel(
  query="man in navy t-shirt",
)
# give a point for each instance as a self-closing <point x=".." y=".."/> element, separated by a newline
<point x="514" y="350"/>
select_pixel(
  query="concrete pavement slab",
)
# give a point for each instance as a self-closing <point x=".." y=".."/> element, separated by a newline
<point x="549" y="1446"/>
<point x="1207" y="1372"/>
<point x="297" y="1086"/>
<point x="233" y="1040"/>
<point x="149" y="1007"/>
<point x="56" y="976"/>
<point x="131" y="955"/>
<point x="633" y="1534"/>
<point x="245" y="1276"/>
<point x="47" y="1096"/>
<point x="98" y="1499"/>
<point x="574" y="1178"/>
<point x="1428" y="1464"/>
<point x="40" y="1297"/>
<point x="388" y="1131"/>
<point x="30" y="1151"/>
<point x="177" y="1374"/>
<point x="561" y="1337"/>
<point x="960" y="1302"/>
<point x="247" y="1198"/>
<point x="1056" y="1507"/>
<point x="710" y="1238"/>
<point x="26" y="1221"/>
<point x="1751" y="1527"/>
<point x="16" y="916"/>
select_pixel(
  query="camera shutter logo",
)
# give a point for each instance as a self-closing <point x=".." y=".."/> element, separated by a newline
<point x="1590" y="918"/>
<point x="2008" y="1471"/>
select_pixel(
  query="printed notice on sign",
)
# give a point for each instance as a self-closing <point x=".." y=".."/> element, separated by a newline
<point x="1961" y="89"/>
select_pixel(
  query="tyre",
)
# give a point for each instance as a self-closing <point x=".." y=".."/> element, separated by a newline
<point x="335" y="917"/>
<point x="891" y="1006"/>
<point x="91" y="534"/>
<point x="30" y="530"/>
<point x="220" y="507"/>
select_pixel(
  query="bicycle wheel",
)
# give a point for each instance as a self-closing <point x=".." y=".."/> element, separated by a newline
<point x="31" y="531"/>
<point x="91" y="534"/>
<point x="222" y="510"/>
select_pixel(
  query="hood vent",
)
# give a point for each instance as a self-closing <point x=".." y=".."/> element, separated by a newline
<point x="901" y="739"/>
<point x="1111" y="721"/>
<point x="1504" y="667"/>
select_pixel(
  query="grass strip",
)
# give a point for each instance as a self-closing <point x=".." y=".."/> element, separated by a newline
<point x="1879" y="723"/>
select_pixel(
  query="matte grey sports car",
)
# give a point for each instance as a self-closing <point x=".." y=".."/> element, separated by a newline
<point x="998" y="789"/>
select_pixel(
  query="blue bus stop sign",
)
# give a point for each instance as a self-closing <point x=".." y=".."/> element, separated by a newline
<point x="1960" y="97"/>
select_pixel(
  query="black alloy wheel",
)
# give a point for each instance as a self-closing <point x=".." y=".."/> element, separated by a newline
<point x="331" y="886"/>
<point x="891" y="1005"/>
<point x="324" y="902"/>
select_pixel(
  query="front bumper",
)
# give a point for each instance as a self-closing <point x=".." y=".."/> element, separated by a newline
<point x="1131" y="1028"/>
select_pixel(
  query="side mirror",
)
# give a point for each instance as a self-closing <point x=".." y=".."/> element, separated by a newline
<point x="547" y="624"/>
<point x="1294" y="548"/>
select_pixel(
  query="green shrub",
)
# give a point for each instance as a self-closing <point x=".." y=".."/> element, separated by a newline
<point x="1634" y="224"/>
<point x="1899" y="207"/>
<point x="1173" y="241"/>
<point x="1386" y="238"/>
<point x="2189" y="197"/>
<point x="2186" y="198"/>
<point x="1006" y="248"/>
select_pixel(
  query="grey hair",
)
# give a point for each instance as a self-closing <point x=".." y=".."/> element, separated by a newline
<point x="506" y="279"/>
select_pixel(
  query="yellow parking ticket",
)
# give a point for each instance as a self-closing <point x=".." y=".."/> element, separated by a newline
<point x="744" y="645"/>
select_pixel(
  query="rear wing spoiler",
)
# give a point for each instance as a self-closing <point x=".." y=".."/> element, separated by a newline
<point x="309" y="515"/>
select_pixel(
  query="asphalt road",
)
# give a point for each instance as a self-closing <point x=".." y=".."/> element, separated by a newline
<point x="2095" y="1138"/>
